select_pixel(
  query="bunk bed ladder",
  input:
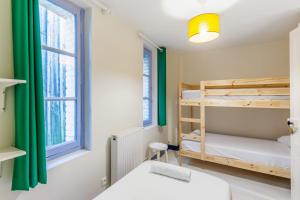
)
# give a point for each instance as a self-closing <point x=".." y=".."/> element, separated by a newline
<point x="190" y="120"/>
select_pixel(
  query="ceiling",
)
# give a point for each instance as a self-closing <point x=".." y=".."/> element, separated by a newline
<point x="242" y="21"/>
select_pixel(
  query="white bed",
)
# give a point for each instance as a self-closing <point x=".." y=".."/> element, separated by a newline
<point x="140" y="184"/>
<point x="195" y="94"/>
<point x="256" y="151"/>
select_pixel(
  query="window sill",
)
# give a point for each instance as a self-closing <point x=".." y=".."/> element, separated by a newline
<point x="150" y="127"/>
<point x="67" y="158"/>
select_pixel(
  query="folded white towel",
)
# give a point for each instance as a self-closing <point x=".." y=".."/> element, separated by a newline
<point x="196" y="132"/>
<point x="171" y="171"/>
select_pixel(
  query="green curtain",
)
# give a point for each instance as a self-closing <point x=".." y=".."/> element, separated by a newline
<point x="162" y="86"/>
<point x="31" y="169"/>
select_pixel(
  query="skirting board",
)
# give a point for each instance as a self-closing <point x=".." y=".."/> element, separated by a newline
<point x="173" y="147"/>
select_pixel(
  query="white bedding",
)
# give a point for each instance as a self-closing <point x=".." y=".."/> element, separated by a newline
<point x="140" y="184"/>
<point x="195" y="94"/>
<point x="258" y="151"/>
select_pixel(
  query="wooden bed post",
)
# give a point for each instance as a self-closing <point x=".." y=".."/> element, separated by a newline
<point x="202" y="119"/>
<point x="179" y="121"/>
<point x="192" y="116"/>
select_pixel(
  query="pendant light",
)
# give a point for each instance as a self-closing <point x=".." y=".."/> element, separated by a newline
<point x="204" y="28"/>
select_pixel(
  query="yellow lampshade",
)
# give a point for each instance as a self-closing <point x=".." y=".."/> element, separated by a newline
<point x="204" y="28"/>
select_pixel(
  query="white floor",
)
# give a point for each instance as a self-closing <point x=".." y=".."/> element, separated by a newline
<point x="244" y="185"/>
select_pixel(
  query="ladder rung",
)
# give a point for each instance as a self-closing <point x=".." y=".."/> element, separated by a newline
<point x="193" y="120"/>
<point x="190" y="136"/>
<point x="190" y="103"/>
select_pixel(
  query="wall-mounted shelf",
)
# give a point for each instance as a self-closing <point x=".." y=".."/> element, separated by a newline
<point x="8" y="154"/>
<point x="4" y="84"/>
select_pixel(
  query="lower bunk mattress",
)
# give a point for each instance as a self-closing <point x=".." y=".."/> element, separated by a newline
<point x="258" y="151"/>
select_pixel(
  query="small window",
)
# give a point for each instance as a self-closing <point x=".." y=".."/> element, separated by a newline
<point x="147" y="88"/>
<point x="61" y="24"/>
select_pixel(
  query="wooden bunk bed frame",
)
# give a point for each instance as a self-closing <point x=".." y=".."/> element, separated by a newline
<point x="274" y="86"/>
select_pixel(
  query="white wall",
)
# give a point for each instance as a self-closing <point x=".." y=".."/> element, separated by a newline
<point x="116" y="81"/>
<point x="258" y="60"/>
<point x="173" y="77"/>
<point x="252" y="61"/>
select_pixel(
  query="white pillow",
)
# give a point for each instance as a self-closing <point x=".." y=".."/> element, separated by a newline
<point x="196" y="132"/>
<point x="285" y="140"/>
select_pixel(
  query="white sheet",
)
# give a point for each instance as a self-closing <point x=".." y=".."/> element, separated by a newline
<point x="195" y="94"/>
<point x="258" y="151"/>
<point x="140" y="184"/>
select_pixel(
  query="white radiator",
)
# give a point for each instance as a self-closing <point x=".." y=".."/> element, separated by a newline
<point x="126" y="152"/>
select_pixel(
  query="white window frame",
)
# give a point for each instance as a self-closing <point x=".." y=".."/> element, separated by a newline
<point x="153" y="85"/>
<point x="63" y="149"/>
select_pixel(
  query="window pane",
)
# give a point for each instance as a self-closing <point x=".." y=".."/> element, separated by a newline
<point x="60" y="123"/>
<point x="146" y="87"/>
<point x="60" y="25"/>
<point x="59" y="74"/>
<point x="57" y="27"/>
<point x="147" y="62"/>
<point x="146" y="109"/>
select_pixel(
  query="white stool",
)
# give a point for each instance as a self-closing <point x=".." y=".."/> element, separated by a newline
<point x="157" y="147"/>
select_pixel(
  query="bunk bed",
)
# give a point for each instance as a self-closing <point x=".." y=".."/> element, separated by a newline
<point x="264" y="156"/>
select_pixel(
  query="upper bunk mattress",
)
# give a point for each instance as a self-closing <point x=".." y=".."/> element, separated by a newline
<point x="258" y="151"/>
<point x="195" y="94"/>
<point x="140" y="184"/>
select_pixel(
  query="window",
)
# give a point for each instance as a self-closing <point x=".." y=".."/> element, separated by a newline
<point x="147" y="88"/>
<point x="61" y="25"/>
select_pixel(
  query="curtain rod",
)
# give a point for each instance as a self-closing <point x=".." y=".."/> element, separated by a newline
<point x="144" y="37"/>
<point x="104" y="8"/>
